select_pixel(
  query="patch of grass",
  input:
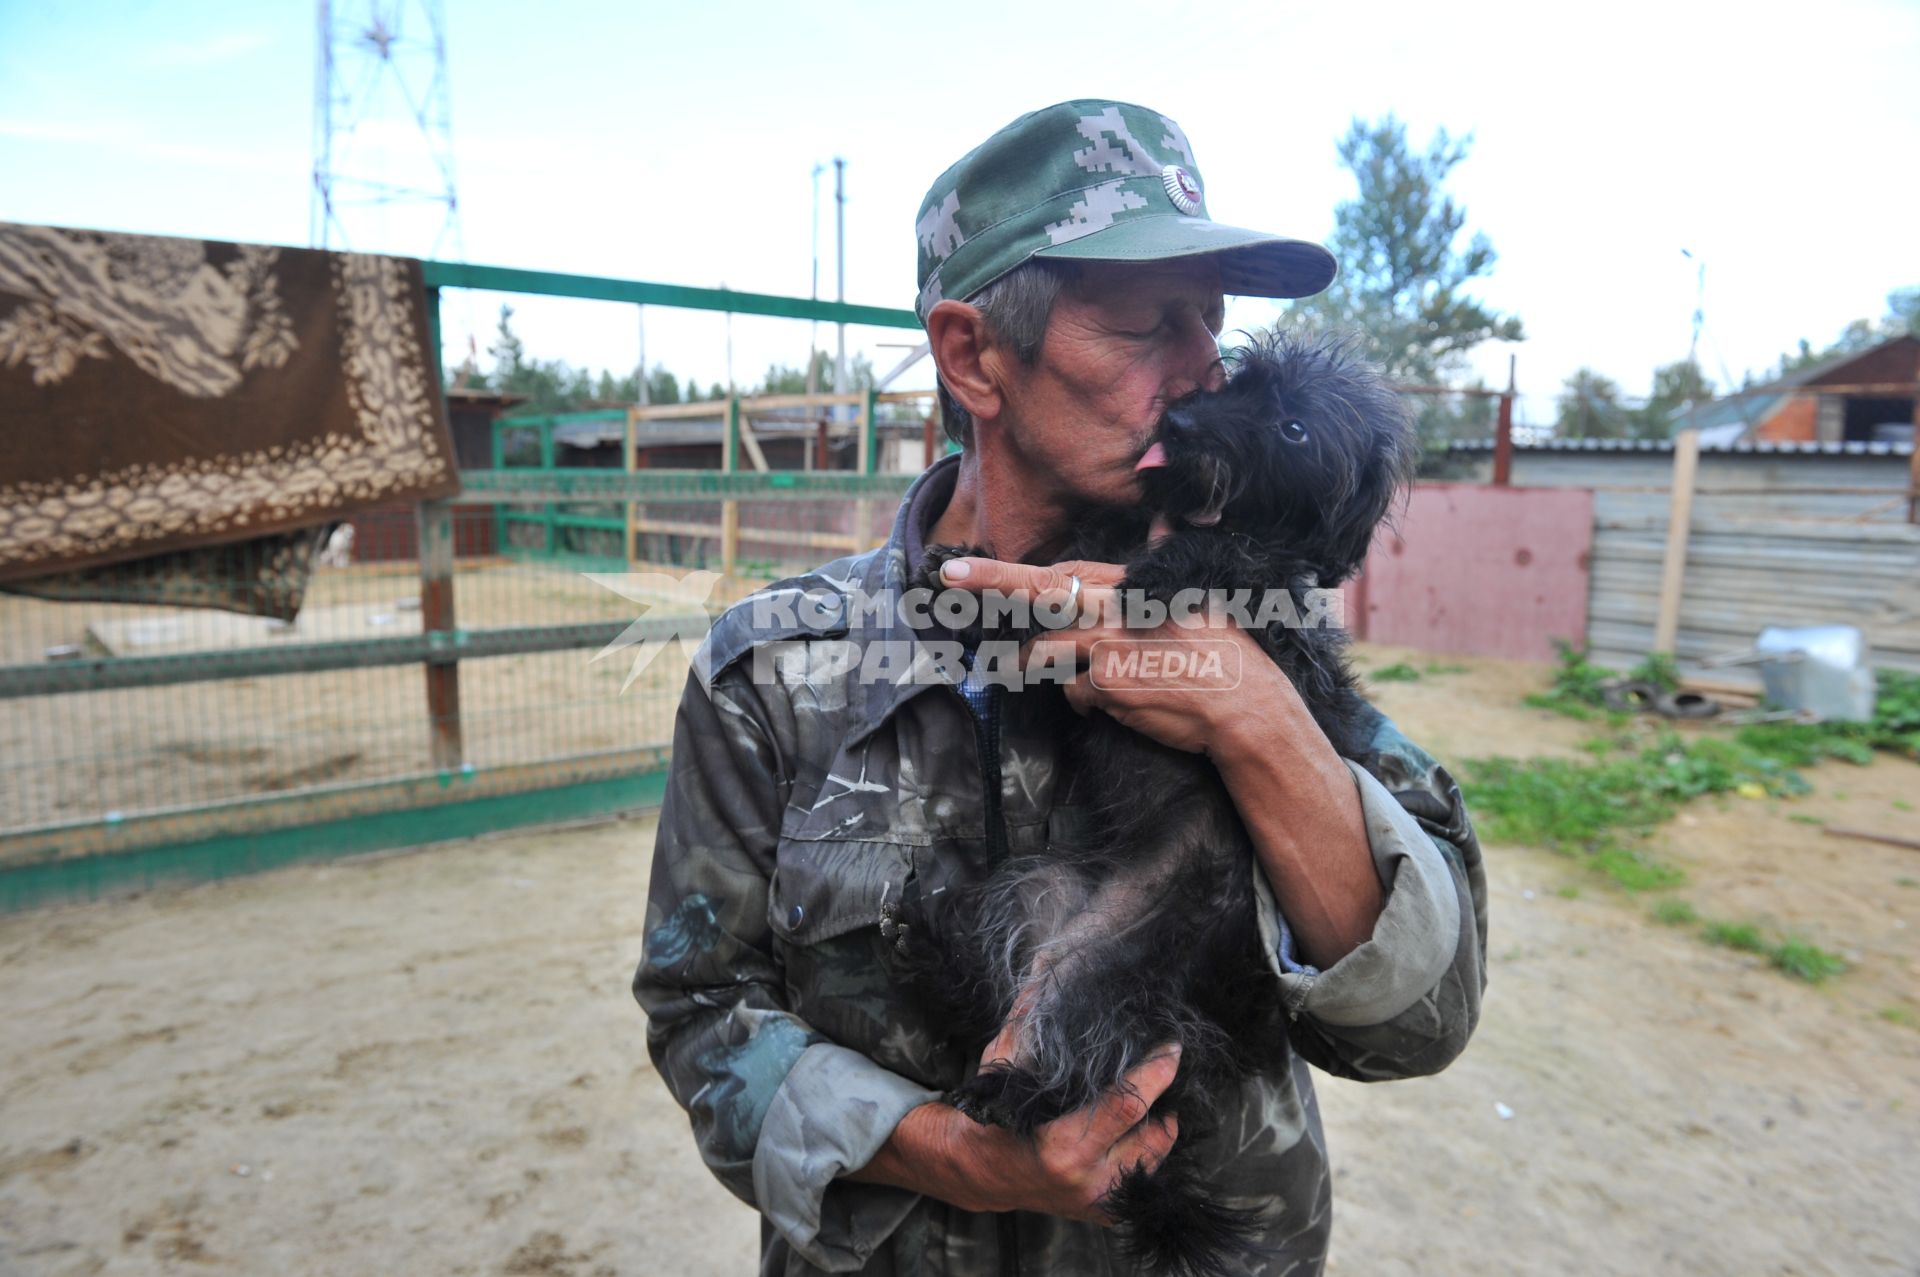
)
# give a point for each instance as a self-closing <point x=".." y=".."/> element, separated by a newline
<point x="1901" y="804"/>
<point x="1744" y="936"/>
<point x="1671" y="911"/>
<point x="1803" y="818"/>
<point x="1575" y="709"/>
<point x="1569" y="892"/>
<point x="1804" y="960"/>
<point x="1400" y="672"/>
<point x="1904" y="881"/>
<point x="1552" y="802"/>
<point x="1804" y="744"/>
<point x="1795" y="955"/>
<point x="1636" y="869"/>
<point x="1902" y="1016"/>
<point x="1436" y="667"/>
<point x="1598" y="810"/>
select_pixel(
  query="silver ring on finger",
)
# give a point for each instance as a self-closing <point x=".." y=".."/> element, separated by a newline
<point x="1072" y="611"/>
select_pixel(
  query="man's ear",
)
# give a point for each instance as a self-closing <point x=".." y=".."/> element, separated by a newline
<point x="968" y="360"/>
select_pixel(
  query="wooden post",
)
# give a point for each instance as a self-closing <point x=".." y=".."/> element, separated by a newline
<point x="1503" y="435"/>
<point x="751" y="442"/>
<point x="927" y="443"/>
<point x="730" y="510"/>
<point x="1686" y="459"/>
<point x="548" y="456"/>
<point x="435" y="520"/>
<point x="868" y="463"/>
<point x="626" y="459"/>
<point x="1913" y="460"/>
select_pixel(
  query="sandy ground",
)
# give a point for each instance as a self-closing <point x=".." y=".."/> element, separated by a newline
<point x="430" y="1063"/>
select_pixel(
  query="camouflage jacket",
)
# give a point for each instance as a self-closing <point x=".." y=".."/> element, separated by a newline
<point x="801" y="798"/>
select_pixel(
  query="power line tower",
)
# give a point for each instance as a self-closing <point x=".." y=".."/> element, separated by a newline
<point x="383" y="129"/>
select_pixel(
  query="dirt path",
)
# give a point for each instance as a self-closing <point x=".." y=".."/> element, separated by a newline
<point x="430" y="1063"/>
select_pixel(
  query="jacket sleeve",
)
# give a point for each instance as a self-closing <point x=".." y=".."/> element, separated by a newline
<point x="1404" y="1003"/>
<point x="778" y="1112"/>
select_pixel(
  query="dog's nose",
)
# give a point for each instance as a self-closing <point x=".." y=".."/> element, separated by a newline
<point x="1180" y="419"/>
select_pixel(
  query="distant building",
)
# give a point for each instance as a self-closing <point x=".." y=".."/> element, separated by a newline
<point x="1855" y="398"/>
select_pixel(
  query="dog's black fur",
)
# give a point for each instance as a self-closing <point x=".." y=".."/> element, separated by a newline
<point x="1148" y="934"/>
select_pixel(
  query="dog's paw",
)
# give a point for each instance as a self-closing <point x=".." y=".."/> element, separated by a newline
<point x="926" y="573"/>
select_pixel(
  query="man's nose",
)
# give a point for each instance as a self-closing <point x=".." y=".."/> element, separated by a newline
<point x="1199" y="357"/>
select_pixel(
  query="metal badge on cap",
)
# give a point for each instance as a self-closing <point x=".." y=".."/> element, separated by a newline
<point x="1181" y="188"/>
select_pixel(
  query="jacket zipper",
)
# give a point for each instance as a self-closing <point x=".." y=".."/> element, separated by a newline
<point x="986" y="735"/>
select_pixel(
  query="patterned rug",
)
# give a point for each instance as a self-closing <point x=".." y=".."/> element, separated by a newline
<point x="266" y="576"/>
<point x="160" y="394"/>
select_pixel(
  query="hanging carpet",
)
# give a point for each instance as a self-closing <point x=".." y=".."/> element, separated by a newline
<point x="161" y="394"/>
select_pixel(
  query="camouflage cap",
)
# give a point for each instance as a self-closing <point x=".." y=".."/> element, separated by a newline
<point x="1092" y="181"/>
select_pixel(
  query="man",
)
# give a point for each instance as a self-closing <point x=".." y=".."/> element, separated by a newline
<point x="1071" y="286"/>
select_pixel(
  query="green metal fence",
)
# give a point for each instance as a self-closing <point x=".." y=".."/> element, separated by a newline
<point x="442" y="687"/>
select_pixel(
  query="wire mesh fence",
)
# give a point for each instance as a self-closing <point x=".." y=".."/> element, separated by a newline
<point x="129" y="723"/>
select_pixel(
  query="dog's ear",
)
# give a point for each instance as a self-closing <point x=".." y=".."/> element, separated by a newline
<point x="1383" y="434"/>
<point x="1350" y="528"/>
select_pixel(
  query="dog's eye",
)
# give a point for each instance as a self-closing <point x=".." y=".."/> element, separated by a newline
<point x="1294" y="431"/>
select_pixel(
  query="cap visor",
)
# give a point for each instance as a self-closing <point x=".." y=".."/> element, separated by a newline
<point x="1252" y="263"/>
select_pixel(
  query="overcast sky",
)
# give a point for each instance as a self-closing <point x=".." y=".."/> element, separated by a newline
<point x="1776" y="142"/>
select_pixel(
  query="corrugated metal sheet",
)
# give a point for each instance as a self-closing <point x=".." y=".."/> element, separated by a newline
<point x="1766" y="482"/>
<point x="1781" y="447"/>
<point x="1744" y="574"/>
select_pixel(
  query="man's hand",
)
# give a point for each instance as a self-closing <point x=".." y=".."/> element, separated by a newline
<point x="1065" y="1170"/>
<point x="1292" y="791"/>
<point x="1194" y="712"/>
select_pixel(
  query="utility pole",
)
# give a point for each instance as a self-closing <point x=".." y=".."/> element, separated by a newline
<point x="1699" y="306"/>
<point x="840" y="266"/>
<point x="640" y="390"/>
<point x="813" y="325"/>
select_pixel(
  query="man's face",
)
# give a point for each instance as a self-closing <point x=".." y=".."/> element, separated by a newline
<point x="1122" y="344"/>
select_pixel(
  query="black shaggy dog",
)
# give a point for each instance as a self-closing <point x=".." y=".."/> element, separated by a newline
<point x="1147" y="934"/>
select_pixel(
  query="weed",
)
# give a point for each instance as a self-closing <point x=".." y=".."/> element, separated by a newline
<point x="1743" y="936"/>
<point x="1804" y="960"/>
<point x="1659" y="670"/>
<point x="1671" y="911"/>
<point x="1575" y="680"/>
<point x="1901" y="804"/>
<point x="1904" y="881"/>
<point x="1400" y="672"/>
<point x="1801" y="817"/>
<point x="1569" y="892"/>
<point x="1797" y="956"/>
<point x="1436" y="667"/>
<point x="1902" y="1016"/>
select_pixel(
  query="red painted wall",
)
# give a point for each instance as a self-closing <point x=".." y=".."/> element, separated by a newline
<point x="1479" y="571"/>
